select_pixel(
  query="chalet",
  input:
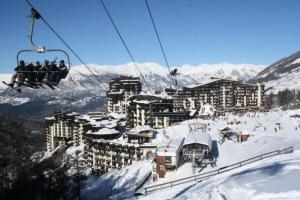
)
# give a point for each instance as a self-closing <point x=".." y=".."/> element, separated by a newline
<point x="206" y="111"/>
<point x="197" y="147"/>
<point x="228" y="132"/>
<point x="167" y="158"/>
<point x="243" y="136"/>
<point x="141" y="134"/>
<point x="120" y="89"/>
<point x="147" y="151"/>
<point x="199" y="126"/>
<point x="232" y="132"/>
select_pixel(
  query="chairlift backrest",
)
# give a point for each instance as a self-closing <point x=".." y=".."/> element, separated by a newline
<point x="68" y="63"/>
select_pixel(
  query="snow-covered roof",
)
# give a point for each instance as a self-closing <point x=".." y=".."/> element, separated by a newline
<point x="117" y="115"/>
<point x="144" y="101"/>
<point x="199" y="137"/>
<point x="193" y="112"/>
<point x="245" y="133"/>
<point x="50" y="118"/>
<point x="207" y="109"/>
<point x="118" y="92"/>
<point x="72" y="114"/>
<point x="170" y="149"/>
<point x="139" y="129"/>
<point x="202" y="83"/>
<point x="104" y="131"/>
<point x="230" y="127"/>
<point x="93" y="120"/>
<point x="146" y="98"/>
<point x="105" y="123"/>
<point x="205" y="82"/>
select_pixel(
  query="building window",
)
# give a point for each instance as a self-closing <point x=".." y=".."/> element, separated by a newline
<point x="168" y="159"/>
<point x="161" y="168"/>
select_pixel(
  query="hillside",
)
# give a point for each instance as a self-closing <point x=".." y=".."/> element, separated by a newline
<point x="271" y="178"/>
<point x="283" y="74"/>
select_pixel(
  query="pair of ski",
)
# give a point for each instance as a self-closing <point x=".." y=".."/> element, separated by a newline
<point x="27" y="85"/>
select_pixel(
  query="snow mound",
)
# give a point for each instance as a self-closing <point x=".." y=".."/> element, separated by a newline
<point x="117" y="184"/>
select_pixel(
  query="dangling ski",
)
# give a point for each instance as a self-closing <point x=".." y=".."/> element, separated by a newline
<point x="9" y="85"/>
<point x="49" y="85"/>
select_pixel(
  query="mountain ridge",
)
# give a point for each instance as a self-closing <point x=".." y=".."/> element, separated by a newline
<point x="282" y="74"/>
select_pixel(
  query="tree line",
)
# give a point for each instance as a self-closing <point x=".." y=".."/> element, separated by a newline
<point x="288" y="99"/>
<point x="22" y="177"/>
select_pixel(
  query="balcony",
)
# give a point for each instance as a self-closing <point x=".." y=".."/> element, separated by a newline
<point x="119" y="156"/>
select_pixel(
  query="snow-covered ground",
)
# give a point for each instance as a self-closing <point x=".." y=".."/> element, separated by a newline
<point x="273" y="178"/>
<point x="285" y="81"/>
<point x="117" y="184"/>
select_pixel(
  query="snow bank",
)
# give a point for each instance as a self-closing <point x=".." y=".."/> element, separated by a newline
<point x="117" y="184"/>
<point x="273" y="178"/>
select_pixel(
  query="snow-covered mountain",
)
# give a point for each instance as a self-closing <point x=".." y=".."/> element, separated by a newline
<point x="283" y="74"/>
<point x="81" y="89"/>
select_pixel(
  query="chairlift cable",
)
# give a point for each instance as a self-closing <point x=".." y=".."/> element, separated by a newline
<point x="125" y="45"/>
<point x="65" y="43"/>
<point x="159" y="41"/>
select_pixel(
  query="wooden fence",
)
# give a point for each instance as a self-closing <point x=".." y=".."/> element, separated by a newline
<point x="199" y="176"/>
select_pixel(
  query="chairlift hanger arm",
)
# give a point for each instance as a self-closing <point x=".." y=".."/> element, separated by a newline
<point x="69" y="47"/>
<point x="34" y="15"/>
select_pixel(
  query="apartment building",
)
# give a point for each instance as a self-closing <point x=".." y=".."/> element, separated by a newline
<point x="67" y="128"/>
<point x="60" y="129"/>
<point x="120" y="89"/>
<point x="224" y="95"/>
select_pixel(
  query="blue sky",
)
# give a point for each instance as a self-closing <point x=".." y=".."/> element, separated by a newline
<point x="192" y="31"/>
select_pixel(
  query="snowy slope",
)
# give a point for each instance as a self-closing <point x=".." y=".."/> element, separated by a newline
<point x="273" y="178"/>
<point x="118" y="184"/>
<point x="283" y="74"/>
